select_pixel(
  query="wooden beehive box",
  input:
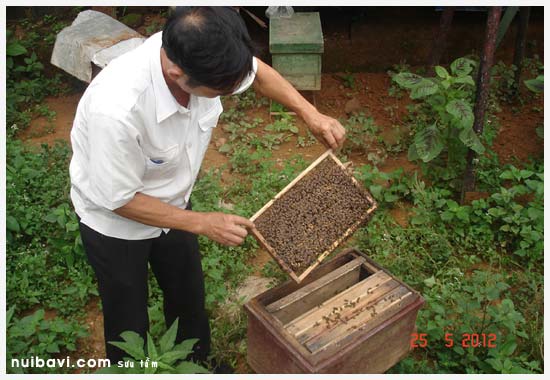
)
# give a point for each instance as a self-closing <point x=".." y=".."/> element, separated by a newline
<point x="296" y="45"/>
<point x="349" y="316"/>
<point x="312" y="215"/>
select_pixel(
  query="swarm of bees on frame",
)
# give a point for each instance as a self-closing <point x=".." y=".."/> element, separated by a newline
<point x="313" y="214"/>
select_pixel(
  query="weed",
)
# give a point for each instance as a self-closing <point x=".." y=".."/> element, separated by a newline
<point x="35" y="336"/>
<point x="360" y="132"/>
<point x="448" y="98"/>
<point x="151" y="358"/>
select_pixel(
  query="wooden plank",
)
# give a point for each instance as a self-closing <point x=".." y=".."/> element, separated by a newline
<point x="290" y="286"/>
<point x="305" y="321"/>
<point x="296" y="303"/>
<point x="340" y="315"/>
<point x="370" y="268"/>
<point x="369" y="318"/>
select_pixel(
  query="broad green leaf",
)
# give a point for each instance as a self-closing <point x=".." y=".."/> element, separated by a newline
<point x="429" y="143"/>
<point x="447" y="215"/>
<point x="376" y="191"/>
<point x="190" y="367"/>
<point x="496" y="363"/>
<point x="526" y="173"/>
<point x="540" y="131"/>
<point x="132" y="345"/>
<point x="172" y="356"/>
<point x="166" y="342"/>
<point x="132" y="338"/>
<point x="462" y="111"/>
<point x="425" y="88"/>
<point x="225" y="148"/>
<point x="134" y="351"/>
<point x="471" y="140"/>
<point x="508" y="348"/>
<point x="27" y="325"/>
<point x="9" y="315"/>
<point x="51" y="217"/>
<point x="536" y="85"/>
<point x="151" y="348"/>
<point x="412" y="155"/>
<point x="13" y="49"/>
<point x="462" y="67"/>
<point x="186" y="345"/>
<point x="508" y="174"/>
<point x="429" y="282"/>
<point x="390" y="197"/>
<point x="465" y="80"/>
<point x="407" y="80"/>
<point x="441" y="72"/>
<point x="12" y="224"/>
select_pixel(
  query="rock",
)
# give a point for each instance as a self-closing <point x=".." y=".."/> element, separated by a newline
<point x="352" y="105"/>
<point x="251" y="287"/>
<point x="219" y="142"/>
<point x="227" y="206"/>
<point x="91" y="32"/>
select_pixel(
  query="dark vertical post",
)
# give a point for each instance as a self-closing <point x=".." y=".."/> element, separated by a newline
<point x="482" y="92"/>
<point x="441" y="37"/>
<point x="519" y="53"/>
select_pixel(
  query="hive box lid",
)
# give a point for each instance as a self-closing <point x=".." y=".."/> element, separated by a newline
<point x="300" y="33"/>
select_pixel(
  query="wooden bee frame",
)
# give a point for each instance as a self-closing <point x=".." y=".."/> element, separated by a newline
<point x="328" y="155"/>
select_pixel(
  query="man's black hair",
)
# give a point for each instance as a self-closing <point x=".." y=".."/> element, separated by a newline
<point x="210" y="44"/>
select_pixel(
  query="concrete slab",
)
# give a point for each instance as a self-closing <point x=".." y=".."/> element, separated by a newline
<point x="91" y="32"/>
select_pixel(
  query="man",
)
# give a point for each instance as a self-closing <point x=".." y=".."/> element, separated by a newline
<point x="139" y="136"/>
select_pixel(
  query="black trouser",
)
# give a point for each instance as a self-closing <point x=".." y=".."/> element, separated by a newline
<point x="121" y="270"/>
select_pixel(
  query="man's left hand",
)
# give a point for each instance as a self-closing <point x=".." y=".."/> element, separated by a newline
<point x="328" y="130"/>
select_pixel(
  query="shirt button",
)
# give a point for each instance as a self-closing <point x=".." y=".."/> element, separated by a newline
<point x="189" y="145"/>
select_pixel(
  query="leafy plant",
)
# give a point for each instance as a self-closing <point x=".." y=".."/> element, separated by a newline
<point x="447" y="103"/>
<point x="386" y="188"/>
<point x="348" y="80"/>
<point x="163" y="357"/>
<point x="483" y="307"/>
<point x="34" y="335"/>
<point x="536" y="85"/>
<point x="360" y="132"/>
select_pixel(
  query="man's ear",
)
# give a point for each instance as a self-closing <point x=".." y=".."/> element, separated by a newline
<point x="174" y="73"/>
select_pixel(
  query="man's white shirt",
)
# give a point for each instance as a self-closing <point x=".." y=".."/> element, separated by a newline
<point x="130" y="135"/>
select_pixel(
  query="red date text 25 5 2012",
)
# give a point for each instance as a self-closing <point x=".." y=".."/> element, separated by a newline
<point x="421" y="340"/>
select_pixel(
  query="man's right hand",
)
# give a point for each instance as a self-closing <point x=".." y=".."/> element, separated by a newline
<point x="223" y="228"/>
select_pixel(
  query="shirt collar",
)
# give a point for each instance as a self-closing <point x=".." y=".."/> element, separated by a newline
<point x="165" y="103"/>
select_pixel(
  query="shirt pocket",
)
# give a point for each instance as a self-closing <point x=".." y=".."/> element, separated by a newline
<point x="206" y="123"/>
<point x="161" y="164"/>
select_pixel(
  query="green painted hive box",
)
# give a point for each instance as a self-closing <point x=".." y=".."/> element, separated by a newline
<point x="296" y="45"/>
